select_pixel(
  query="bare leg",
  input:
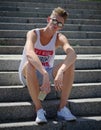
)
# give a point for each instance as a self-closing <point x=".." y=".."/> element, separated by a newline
<point x="32" y="83"/>
<point x="68" y="79"/>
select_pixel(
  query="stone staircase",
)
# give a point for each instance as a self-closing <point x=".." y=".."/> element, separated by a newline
<point x="83" y="30"/>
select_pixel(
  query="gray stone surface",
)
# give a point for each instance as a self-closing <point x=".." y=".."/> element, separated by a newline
<point x="20" y="93"/>
<point x="88" y="123"/>
<point x="43" y="20"/>
<point x="12" y="62"/>
<point x="83" y="29"/>
<point x="70" y="34"/>
<point x="29" y="26"/>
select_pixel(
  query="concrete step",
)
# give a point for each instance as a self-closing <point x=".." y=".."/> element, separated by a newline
<point x="85" y="42"/>
<point x="20" y="93"/>
<point x="82" y="123"/>
<point x="11" y="62"/>
<point x="31" y="9"/>
<point x="81" y="76"/>
<point x="83" y="50"/>
<point x="17" y="112"/>
<point x="82" y="107"/>
<point x="69" y="27"/>
<point x="70" y="34"/>
<point x="60" y="1"/>
<point x="43" y="20"/>
<point x="45" y="14"/>
<point x="78" y="49"/>
<point x="85" y="5"/>
<point x="73" y="42"/>
<point x="25" y="110"/>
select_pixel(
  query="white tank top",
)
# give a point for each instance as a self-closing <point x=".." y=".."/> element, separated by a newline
<point x="45" y="53"/>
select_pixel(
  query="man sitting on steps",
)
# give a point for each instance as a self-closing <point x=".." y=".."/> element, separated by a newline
<point x="37" y="67"/>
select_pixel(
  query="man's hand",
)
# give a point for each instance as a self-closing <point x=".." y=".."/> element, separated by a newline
<point x="46" y="83"/>
<point x="58" y="81"/>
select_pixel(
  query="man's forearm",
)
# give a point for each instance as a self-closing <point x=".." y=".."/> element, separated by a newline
<point x="34" y="60"/>
<point x="69" y="60"/>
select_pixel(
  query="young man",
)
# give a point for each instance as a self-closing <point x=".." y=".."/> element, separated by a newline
<point x="38" y="59"/>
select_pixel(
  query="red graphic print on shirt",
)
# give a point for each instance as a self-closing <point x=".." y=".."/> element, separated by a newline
<point x="44" y="56"/>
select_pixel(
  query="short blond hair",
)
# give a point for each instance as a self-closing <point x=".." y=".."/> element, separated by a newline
<point x="61" y="12"/>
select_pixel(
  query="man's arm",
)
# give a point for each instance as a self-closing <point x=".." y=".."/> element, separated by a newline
<point x="35" y="61"/>
<point x="68" y="61"/>
<point x="70" y="53"/>
<point x="30" y="53"/>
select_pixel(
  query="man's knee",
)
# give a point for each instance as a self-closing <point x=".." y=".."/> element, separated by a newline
<point x="28" y="68"/>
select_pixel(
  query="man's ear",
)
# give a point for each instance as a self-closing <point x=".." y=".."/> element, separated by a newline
<point x="48" y="19"/>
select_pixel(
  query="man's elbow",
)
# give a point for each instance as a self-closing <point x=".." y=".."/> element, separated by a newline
<point x="72" y="53"/>
<point x="29" y="55"/>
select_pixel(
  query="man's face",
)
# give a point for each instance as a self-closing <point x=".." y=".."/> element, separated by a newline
<point x="56" y="22"/>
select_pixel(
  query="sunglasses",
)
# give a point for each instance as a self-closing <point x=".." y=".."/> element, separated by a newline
<point x="55" y="22"/>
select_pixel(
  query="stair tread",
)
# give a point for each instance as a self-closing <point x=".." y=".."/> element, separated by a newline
<point x="40" y="4"/>
<point x="73" y="42"/>
<point x="46" y="1"/>
<point x="83" y="28"/>
<point x="41" y="19"/>
<point x="52" y="3"/>
<point x="85" y="100"/>
<point x="22" y="123"/>
<point x="88" y="56"/>
<point x="74" y="85"/>
<point x="70" y="34"/>
<point x="17" y="49"/>
<point x="27" y="24"/>
<point x="26" y="110"/>
<point x="77" y="46"/>
<point x="29" y="103"/>
<point x="44" y="14"/>
<point x="20" y="92"/>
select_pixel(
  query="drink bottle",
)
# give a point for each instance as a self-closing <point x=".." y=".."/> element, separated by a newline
<point x="42" y="95"/>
